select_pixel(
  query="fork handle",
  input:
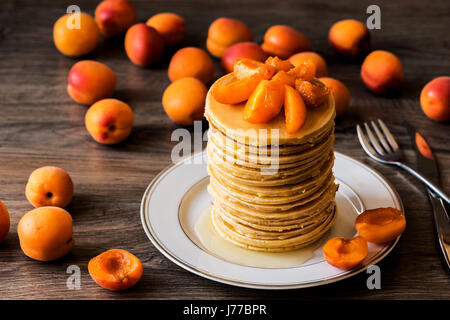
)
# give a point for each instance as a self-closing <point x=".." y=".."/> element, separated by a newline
<point x="436" y="190"/>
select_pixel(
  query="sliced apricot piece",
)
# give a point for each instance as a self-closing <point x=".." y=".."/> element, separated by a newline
<point x="244" y="68"/>
<point x="285" y="77"/>
<point x="265" y="103"/>
<point x="314" y="92"/>
<point x="380" y="225"/>
<point x="236" y="91"/>
<point x="305" y="71"/>
<point x="115" y="269"/>
<point x="279" y="64"/>
<point x="345" y="253"/>
<point x="294" y="109"/>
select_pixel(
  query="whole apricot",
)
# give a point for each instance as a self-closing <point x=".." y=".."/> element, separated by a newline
<point x="45" y="233"/>
<point x="109" y="121"/>
<point x="115" y="269"/>
<point x="75" y="37"/>
<point x="114" y="17"/>
<point x="49" y="186"/>
<point x="349" y="38"/>
<point x="340" y="93"/>
<point x="4" y="222"/>
<point x="382" y="72"/>
<point x="170" y="26"/>
<point x="143" y="45"/>
<point x="249" y="50"/>
<point x="284" y="41"/>
<point x="90" y="81"/>
<point x="435" y="99"/>
<point x="184" y="100"/>
<point x="224" y="32"/>
<point x="321" y="66"/>
<point x="191" y="62"/>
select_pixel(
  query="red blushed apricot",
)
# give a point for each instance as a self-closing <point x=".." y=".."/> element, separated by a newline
<point x="45" y="233"/>
<point x="314" y="92"/>
<point x="278" y="64"/>
<point x="75" y="40"/>
<point x="191" y="62"/>
<point x="49" y="186"/>
<point x="109" y="121"/>
<point x="115" y="269"/>
<point x="245" y="68"/>
<point x="143" y="45"/>
<point x="4" y="222"/>
<point x="265" y="102"/>
<point x="345" y="253"/>
<point x="184" y="100"/>
<point x="349" y="38"/>
<point x="223" y="33"/>
<point x="382" y="72"/>
<point x="248" y="50"/>
<point x="114" y="17"/>
<point x="170" y="25"/>
<point x="300" y="58"/>
<point x="236" y="91"/>
<point x="284" y="41"/>
<point x="90" y="81"/>
<point x="380" y="225"/>
<point x="294" y="110"/>
<point x="435" y="99"/>
<point x="340" y="93"/>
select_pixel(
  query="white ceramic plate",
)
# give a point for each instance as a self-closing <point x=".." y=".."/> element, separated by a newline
<point x="177" y="196"/>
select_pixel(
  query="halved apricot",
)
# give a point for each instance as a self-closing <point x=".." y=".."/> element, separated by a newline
<point x="244" y="68"/>
<point x="265" y="102"/>
<point x="305" y="71"/>
<point x="345" y="253"/>
<point x="279" y="64"/>
<point x="285" y="77"/>
<point x="294" y="109"/>
<point x="314" y="92"/>
<point x="236" y="91"/>
<point x="115" y="269"/>
<point x="380" y="225"/>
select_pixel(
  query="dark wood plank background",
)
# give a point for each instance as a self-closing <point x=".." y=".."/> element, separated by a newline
<point x="40" y="125"/>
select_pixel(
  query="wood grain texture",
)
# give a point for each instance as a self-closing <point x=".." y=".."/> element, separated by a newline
<point x="40" y="125"/>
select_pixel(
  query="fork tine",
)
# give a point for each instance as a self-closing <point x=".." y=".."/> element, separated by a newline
<point x="388" y="135"/>
<point x="364" y="142"/>
<point x="380" y="136"/>
<point x="374" y="140"/>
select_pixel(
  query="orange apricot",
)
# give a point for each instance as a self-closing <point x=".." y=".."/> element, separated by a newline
<point x="304" y="71"/>
<point x="4" y="222"/>
<point x="435" y="99"/>
<point x="382" y="72"/>
<point x="340" y="93"/>
<point x="285" y="77"/>
<point x="278" y="64"/>
<point x="143" y="45"/>
<point x="284" y="41"/>
<point x="90" y="81"/>
<point x="109" y="121"/>
<point x="191" y="62"/>
<point x="349" y="38"/>
<point x="294" y="109"/>
<point x="314" y="92"/>
<point x="115" y="269"/>
<point x="223" y="33"/>
<point x="319" y="62"/>
<point x="184" y="100"/>
<point x="422" y="146"/>
<point x="345" y="253"/>
<point x="380" y="225"/>
<point x="265" y="102"/>
<point x="236" y="91"/>
<point x="75" y="37"/>
<point x="114" y="17"/>
<point x="244" y="68"/>
<point x="247" y="49"/>
<point x="45" y="233"/>
<point x="170" y="25"/>
<point x="49" y="186"/>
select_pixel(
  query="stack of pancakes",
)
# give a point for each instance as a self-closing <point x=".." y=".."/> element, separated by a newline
<point x="273" y="191"/>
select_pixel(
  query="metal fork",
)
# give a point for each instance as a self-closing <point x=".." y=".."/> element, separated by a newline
<point x="383" y="148"/>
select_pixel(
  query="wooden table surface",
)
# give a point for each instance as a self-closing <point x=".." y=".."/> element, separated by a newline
<point x="40" y="125"/>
